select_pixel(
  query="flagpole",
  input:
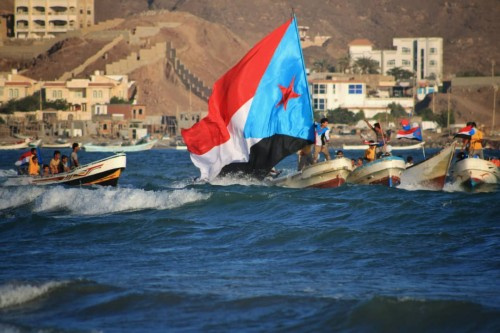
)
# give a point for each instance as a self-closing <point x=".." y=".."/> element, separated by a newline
<point x="294" y="19"/>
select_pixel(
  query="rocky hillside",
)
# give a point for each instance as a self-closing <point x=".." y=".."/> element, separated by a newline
<point x="469" y="27"/>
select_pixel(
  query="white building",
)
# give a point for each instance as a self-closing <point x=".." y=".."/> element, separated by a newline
<point x="329" y="94"/>
<point x="420" y="55"/>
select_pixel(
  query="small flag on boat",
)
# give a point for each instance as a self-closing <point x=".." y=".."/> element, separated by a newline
<point x="413" y="134"/>
<point x="466" y="132"/>
<point x="405" y="123"/>
<point x="259" y="111"/>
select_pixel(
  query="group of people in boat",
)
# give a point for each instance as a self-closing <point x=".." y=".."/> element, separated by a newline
<point x="29" y="163"/>
<point x="322" y="139"/>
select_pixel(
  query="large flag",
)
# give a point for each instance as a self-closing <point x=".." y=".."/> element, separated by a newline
<point x="413" y="133"/>
<point x="259" y="111"/>
<point x="466" y="132"/>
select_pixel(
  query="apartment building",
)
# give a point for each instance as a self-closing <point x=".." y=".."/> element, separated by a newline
<point x="84" y="94"/>
<point x="420" y="55"/>
<point x="355" y="95"/>
<point x="48" y="18"/>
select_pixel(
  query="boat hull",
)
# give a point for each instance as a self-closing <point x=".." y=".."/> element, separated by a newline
<point x="22" y="145"/>
<point x="431" y="173"/>
<point x="114" y="149"/>
<point x="327" y="174"/>
<point x="475" y="173"/>
<point x="385" y="171"/>
<point x="103" y="172"/>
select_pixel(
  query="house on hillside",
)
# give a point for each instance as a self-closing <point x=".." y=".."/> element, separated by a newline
<point x="16" y="86"/>
<point x="49" y="18"/>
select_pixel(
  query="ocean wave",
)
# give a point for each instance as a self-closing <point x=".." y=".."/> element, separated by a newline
<point x="86" y="201"/>
<point x="237" y="179"/>
<point x="7" y="173"/>
<point x="13" y="294"/>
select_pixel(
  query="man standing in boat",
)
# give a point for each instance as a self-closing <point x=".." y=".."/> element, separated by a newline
<point x="379" y="134"/>
<point x="74" y="156"/>
<point x="322" y="139"/>
<point x="476" y="146"/>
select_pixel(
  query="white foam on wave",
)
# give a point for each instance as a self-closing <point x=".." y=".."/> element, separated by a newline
<point x="7" y="173"/>
<point x="237" y="179"/>
<point x="111" y="200"/>
<point x="15" y="197"/>
<point x="15" y="294"/>
<point x="452" y="187"/>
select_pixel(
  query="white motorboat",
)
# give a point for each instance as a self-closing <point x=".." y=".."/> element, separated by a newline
<point x="119" y="148"/>
<point x="475" y="173"/>
<point x="102" y="172"/>
<point x="430" y="173"/>
<point x="17" y="145"/>
<point x="35" y="144"/>
<point x="327" y="174"/>
<point x="385" y="171"/>
<point x="363" y="147"/>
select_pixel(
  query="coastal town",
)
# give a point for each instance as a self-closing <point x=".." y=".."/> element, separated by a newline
<point x="105" y="95"/>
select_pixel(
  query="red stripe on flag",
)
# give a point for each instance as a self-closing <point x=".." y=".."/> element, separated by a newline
<point x="230" y="92"/>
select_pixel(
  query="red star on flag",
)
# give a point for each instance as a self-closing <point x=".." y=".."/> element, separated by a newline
<point x="288" y="93"/>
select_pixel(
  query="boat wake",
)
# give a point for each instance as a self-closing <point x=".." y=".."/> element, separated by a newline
<point x="7" y="173"/>
<point x="13" y="294"/>
<point x="98" y="201"/>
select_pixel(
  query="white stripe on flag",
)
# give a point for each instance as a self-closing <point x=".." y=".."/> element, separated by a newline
<point x="236" y="149"/>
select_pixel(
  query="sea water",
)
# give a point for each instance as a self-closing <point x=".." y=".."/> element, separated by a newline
<point x="164" y="253"/>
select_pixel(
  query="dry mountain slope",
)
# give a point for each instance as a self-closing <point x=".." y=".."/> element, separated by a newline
<point x="469" y="27"/>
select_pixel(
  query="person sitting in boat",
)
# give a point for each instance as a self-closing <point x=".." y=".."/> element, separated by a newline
<point x="370" y="153"/>
<point x="476" y="142"/>
<point x="353" y="163"/>
<point x="322" y="139"/>
<point x="74" y="156"/>
<point x="23" y="162"/>
<point x="359" y="162"/>
<point x="63" y="166"/>
<point x="34" y="167"/>
<point x="409" y="162"/>
<point x="46" y="171"/>
<point x="305" y="158"/>
<point x="54" y="163"/>
<point x="460" y="156"/>
<point x="339" y="154"/>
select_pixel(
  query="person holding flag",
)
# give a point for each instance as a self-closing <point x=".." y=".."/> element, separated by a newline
<point x="259" y="111"/>
<point x="23" y="162"/>
<point x="472" y="139"/>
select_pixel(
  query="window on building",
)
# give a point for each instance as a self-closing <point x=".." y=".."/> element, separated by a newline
<point x="319" y="104"/>
<point x="11" y="93"/>
<point x="432" y="63"/>
<point x="319" y="89"/>
<point x="99" y="94"/>
<point x="105" y="126"/>
<point x="78" y="94"/>
<point x="406" y="63"/>
<point x="88" y="11"/>
<point x="355" y="89"/>
<point x="333" y="89"/>
<point x="433" y="50"/>
<point x="140" y="111"/>
<point x="405" y="50"/>
<point x="391" y="62"/>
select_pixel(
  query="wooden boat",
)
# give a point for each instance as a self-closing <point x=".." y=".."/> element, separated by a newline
<point x="102" y="172"/>
<point x="385" y="171"/>
<point x="18" y="145"/>
<point x="430" y="173"/>
<point x="35" y="144"/>
<point x="475" y="173"/>
<point x="327" y="174"/>
<point x="363" y="147"/>
<point x="119" y="148"/>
